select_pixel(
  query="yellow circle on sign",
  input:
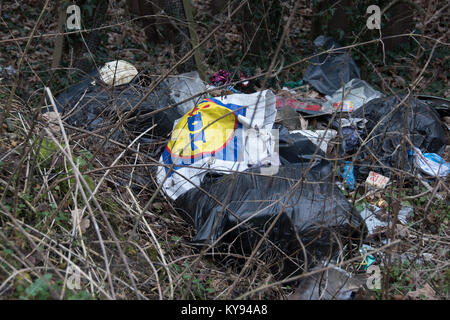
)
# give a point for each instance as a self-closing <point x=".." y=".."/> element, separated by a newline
<point x="205" y="129"/>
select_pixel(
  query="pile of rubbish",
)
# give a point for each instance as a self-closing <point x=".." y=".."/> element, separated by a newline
<point x="109" y="95"/>
<point x="250" y="170"/>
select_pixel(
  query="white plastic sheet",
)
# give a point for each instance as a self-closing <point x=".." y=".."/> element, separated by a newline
<point x="431" y="163"/>
<point x="356" y="93"/>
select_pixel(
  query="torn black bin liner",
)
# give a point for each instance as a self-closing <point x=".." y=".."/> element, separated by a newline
<point x="329" y="72"/>
<point x="91" y="105"/>
<point x="423" y="127"/>
<point x="297" y="148"/>
<point x="441" y="105"/>
<point x="317" y="211"/>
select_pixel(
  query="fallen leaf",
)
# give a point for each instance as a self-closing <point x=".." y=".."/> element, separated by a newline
<point x="401" y="230"/>
<point x="52" y="121"/>
<point x="83" y="223"/>
<point x="427" y="292"/>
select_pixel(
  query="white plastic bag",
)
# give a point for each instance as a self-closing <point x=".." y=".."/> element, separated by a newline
<point x="431" y="163"/>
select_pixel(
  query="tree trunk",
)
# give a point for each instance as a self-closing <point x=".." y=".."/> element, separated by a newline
<point x="168" y="28"/>
<point x="84" y="62"/>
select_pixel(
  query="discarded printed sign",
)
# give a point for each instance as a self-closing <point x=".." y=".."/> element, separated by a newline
<point x="228" y="133"/>
<point x="377" y="180"/>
